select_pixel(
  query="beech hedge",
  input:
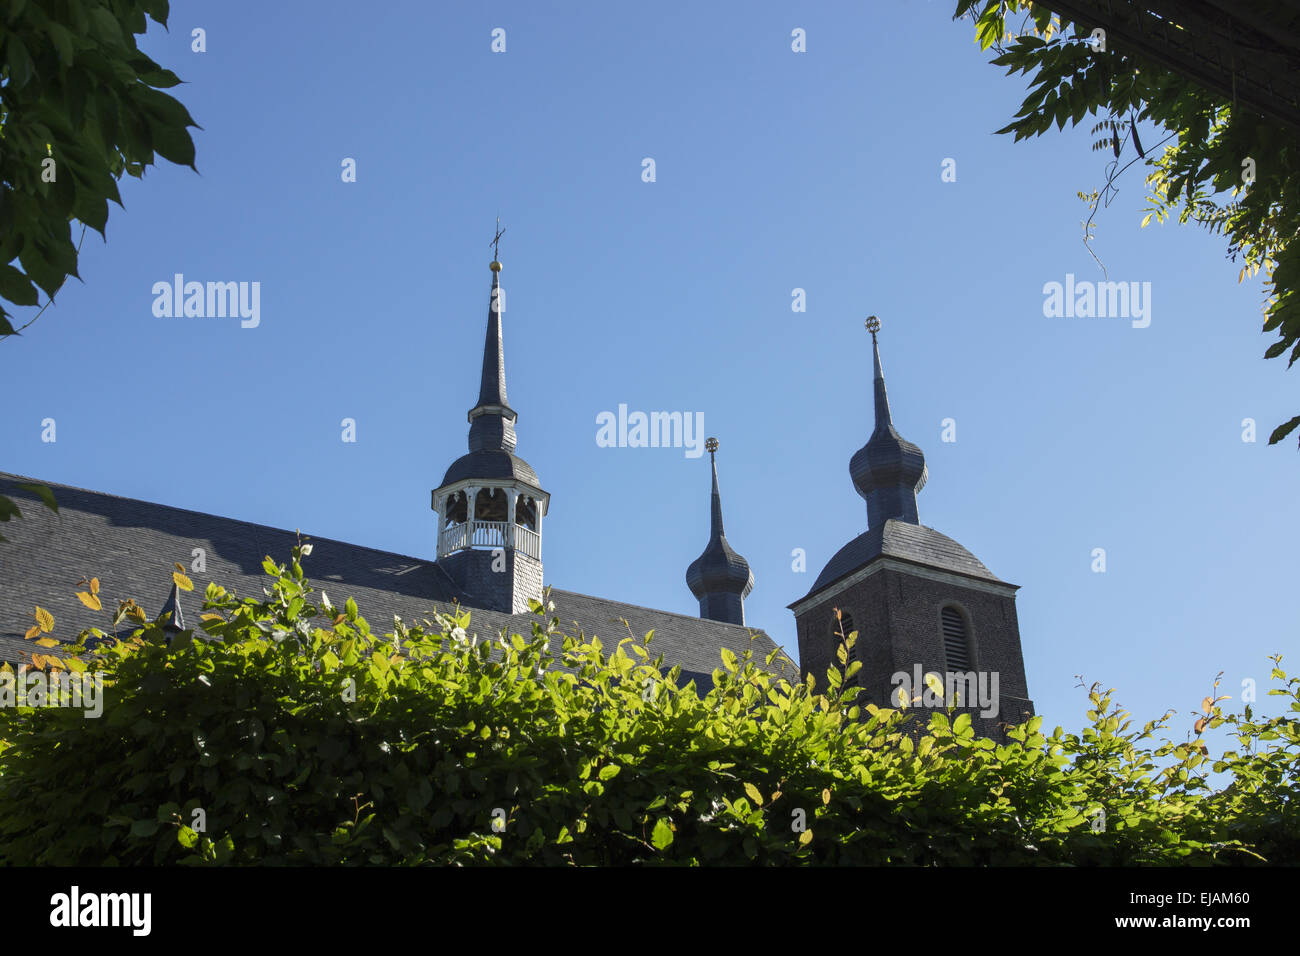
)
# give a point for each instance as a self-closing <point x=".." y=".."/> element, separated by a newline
<point x="284" y="730"/>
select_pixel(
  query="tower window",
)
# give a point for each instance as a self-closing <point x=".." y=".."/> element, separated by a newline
<point x="456" y="509"/>
<point x="526" y="513"/>
<point x="956" y="639"/>
<point x="841" y="627"/>
<point x="490" y="505"/>
<point x="840" y="631"/>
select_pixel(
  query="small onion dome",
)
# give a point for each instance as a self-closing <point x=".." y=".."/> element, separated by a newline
<point x="719" y="570"/>
<point x="888" y="470"/>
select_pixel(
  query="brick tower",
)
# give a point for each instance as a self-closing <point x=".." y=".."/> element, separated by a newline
<point x="920" y="602"/>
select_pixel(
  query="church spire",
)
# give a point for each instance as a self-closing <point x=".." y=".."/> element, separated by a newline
<point x="719" y="578"/>
<point x="888" y="470"/>
<point x="173" y="605"/>
<point x="490" y="503"/>
<point x="492" y="420"/>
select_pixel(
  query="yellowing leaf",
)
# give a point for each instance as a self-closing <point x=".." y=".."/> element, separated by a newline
<point x="1206" y="705"/>
<point x="662" y="837"/>
<point x="1200" y="725"/>
<point x="89" y="600"/>
<point x="754" y="794"/>
<point x="826" y="796"/>
<point x="805" y="838"/>
<point x="45" y="619"/>
<point x="211" y="617"/>
<point x="32" y="632"/>
<point x="94" y="585"/>
<point x="178" y="566"/>
<point x="47" y="642"/>
<point x="182" y="582"/>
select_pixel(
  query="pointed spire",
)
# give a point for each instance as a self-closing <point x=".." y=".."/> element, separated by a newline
<point x="719" y="578"/>
<point x="177" y="621"/>
<point x="883" y="418"/>
<point x="492" y="420"/>
<point x="888" y="470"/>
<point x="715" y="516"/>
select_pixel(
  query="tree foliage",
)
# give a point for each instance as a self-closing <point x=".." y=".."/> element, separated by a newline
<point x="286" y="730"/>
<point x="79" y="106"/>
<point x="1221" y="166"/>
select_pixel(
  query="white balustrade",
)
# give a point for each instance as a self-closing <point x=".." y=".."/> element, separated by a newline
<point x="489" y="534"/>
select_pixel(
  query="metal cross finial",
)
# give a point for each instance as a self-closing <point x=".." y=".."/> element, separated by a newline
<point x="873" y="326"/>
<point x="496" y="240"/>
<point x="711" y="446"/>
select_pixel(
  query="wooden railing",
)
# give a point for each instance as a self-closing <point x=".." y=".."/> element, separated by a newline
<point x="489" y="534"/>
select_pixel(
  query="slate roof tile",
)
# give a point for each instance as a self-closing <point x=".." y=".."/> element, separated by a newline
<point x="130" y="545"/>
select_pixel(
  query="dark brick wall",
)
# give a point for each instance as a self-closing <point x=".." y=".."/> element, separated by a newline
<point x="508" y="590"/>
<point x="897" y="616"/>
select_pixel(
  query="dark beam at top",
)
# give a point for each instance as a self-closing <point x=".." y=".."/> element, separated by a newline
<point x="1247" y="51"/>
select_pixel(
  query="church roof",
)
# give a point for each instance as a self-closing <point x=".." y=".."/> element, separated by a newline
<point x="907" y="542"/>
<point x="130" y="545"/>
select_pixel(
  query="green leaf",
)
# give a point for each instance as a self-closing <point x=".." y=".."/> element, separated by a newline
<point x="662" y="837"/>
<point x="609" y="771"/>
<point x="1283" y="430"/>
<point x="16" y="287"/>
<point x="19" y="62"/>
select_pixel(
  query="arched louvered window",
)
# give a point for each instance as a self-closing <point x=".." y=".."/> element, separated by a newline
<point x="956" y="639"/>
<point x="844" y="624"/>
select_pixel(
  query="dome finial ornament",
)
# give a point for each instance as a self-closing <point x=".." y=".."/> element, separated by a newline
<point x="711" y="446"/>
<point x="873" y="326"/>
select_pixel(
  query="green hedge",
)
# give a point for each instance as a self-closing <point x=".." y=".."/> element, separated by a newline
<point x="302" y="737"/>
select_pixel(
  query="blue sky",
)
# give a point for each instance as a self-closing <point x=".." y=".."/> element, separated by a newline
<point x="775" y="170"/>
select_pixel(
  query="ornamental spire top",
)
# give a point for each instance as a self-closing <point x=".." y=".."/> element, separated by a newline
<point x="888" y="470"/>
<point x="719" y="578"/>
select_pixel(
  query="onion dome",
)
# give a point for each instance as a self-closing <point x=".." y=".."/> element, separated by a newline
<point x="720" y="578"/>
<point x="888" y="470"/>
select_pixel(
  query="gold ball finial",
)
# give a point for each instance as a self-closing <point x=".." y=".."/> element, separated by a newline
<point x="711" y="445"/>
<point x="873" y="325"/>
<point x="495" y="266"/>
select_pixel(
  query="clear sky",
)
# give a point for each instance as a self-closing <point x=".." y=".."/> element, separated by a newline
<point x="774" y="171"/>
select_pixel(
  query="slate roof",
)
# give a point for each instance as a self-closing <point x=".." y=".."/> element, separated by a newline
<point x="908" y="542"/>
<point x="130" y="546"/>
<point x="493" y="463"/>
